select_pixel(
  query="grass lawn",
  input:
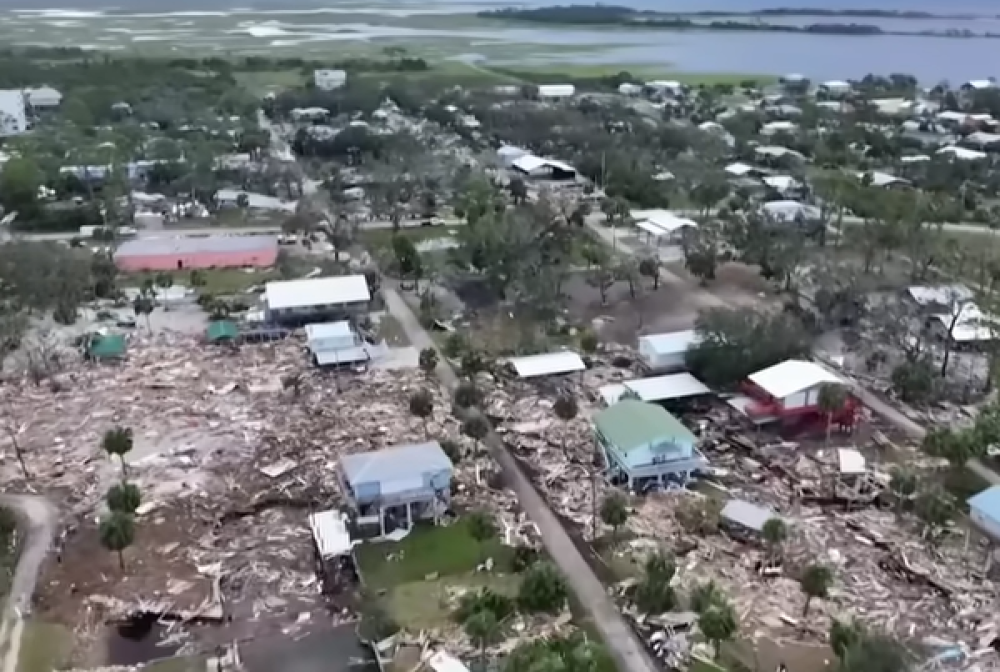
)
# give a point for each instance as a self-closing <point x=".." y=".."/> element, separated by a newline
<point x="422" y="605"/>
<point x="428" y="549"/>
<point x="381" y="239"/>
<point x="262" y="82"/>
<point x="179" y="664"/>
<point x="391" y="330"/>
<point x="217" y="280"/>
<point x="44" y="647"/>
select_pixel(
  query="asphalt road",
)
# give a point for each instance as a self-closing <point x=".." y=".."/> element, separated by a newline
<point x="39" y="520"/>
<point x="377" y="225"/>
<point x="622" y="642"/>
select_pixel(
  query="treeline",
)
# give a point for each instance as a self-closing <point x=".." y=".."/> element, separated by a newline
<point x="852" y="13"/>
<point x="624" y="16"/>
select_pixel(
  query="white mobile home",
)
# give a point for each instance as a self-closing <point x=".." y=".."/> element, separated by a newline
<point x="666" y="352"/>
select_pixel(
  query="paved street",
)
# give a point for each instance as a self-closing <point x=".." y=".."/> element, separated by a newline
<point x="38" y="521"/>
<point x="624" y="645"/>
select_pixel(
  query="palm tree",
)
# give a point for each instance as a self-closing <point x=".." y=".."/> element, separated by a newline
<point x="117" y="442"/>
<point x="566" y="410"/>
<point x="117" y="532"/>
<point x="476" y="427"/>
<point x="831" y="400"/>
<point x="718" y="624"/>
<point x="815" y="582"/>
<point x="482" y="628"/>
<point x="481" y="527"/>
<point x="614" y="512"/>
<point x="428" y="360"/>
<point x="124" y="497"/>
<point x="774" y="532"/>
<point x="422" y="406"/>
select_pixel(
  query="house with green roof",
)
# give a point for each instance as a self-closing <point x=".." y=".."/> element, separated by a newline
<point x="644" y="446"/>
<point x="105" y="347"/>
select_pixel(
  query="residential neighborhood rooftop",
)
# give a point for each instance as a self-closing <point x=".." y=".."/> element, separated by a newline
<point x="631" y="424"/>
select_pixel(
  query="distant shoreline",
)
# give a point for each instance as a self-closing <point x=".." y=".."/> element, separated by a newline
<point x="846" y="13"/>
<point x="626" y="17"/>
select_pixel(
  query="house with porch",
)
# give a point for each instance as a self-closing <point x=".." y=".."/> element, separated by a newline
<point x="394" y="487"/>
<point x="644" y="446"/>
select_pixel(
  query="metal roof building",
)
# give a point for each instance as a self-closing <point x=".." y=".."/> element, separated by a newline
<point x="792" y="377"/>
<point x="330" y="533"/>
<point x="548" y="364"/>
<point x="340" y="290"/>
<point x="984" y="510"/>
<point x="171" y="254"/>
<point x="662" y="352"/>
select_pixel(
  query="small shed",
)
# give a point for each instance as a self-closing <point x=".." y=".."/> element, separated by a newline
<point x="984" y="510"/>
<point x="330" y="336"/>
<point x="666" y="351"/>
<point x="104" y="347"/>
<point x="745" y="516"/>
<point x="222" y="331"/>
<point x="330" y="534"/>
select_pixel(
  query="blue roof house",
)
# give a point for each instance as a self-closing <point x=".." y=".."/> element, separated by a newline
<point x="644" y="446"/>
<point x="984" y="510"/>
<point x="397" y="485"/>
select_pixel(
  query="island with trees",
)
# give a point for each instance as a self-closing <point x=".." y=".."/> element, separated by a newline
<point x="616" y="15"/>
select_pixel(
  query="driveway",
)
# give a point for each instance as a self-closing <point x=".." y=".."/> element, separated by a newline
<point x="39" y="520"/>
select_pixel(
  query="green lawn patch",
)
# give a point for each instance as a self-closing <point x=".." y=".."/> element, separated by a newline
<point x="44" y="647"/>
<point x="423" y="605"/>
<point x="265" y="81"/>
<point x="428" y="549"/>
<point x="217" y="280"/>
<point x="375" y="240"/>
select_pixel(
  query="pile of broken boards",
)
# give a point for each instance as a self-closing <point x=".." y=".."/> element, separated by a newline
<point x="885" y="574"/>
<point x="522" y="629"/>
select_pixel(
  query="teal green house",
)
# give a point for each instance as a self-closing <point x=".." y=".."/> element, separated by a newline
<point x="644" y="446"/>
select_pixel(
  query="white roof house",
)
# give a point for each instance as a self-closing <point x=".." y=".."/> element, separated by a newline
<point x="793" y="377"/>
<point x="774" y="127"/>
<point x="665" y="86"/>
<point x="746" y="514"/>
<point x="781" y="183"/>
<point x="548" y="364"/>
<point x="952" y="116"/>
<point x="836" y="86"/>
<point x="556" y="91"/>
<point x="661" y="222"/>
<point x="627" y="89"/>
<point x="982" y="139"/>
<point x="880" y="179"/>
<point x="43" y="97"/>
<point x="659" y="352"/>
<point x="940" y="295"/>
<point x="776" y="151"/>
<point x="328" y="80"/>
<point x="530" y="164"/>
<point x="968" y="325"/>
<point x="316" y="292"/>
<point x="915" y="158"/>
<point x="962" y="154"/>
<point x="13" y="119"/>
<point x="790" y="211"/>
<point x="980" y="84"/>
<point x="741" y="169"/>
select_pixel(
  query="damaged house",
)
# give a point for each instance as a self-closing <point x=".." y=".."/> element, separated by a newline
<point x="392" y="488"/>
<point x="644" y="446"/>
